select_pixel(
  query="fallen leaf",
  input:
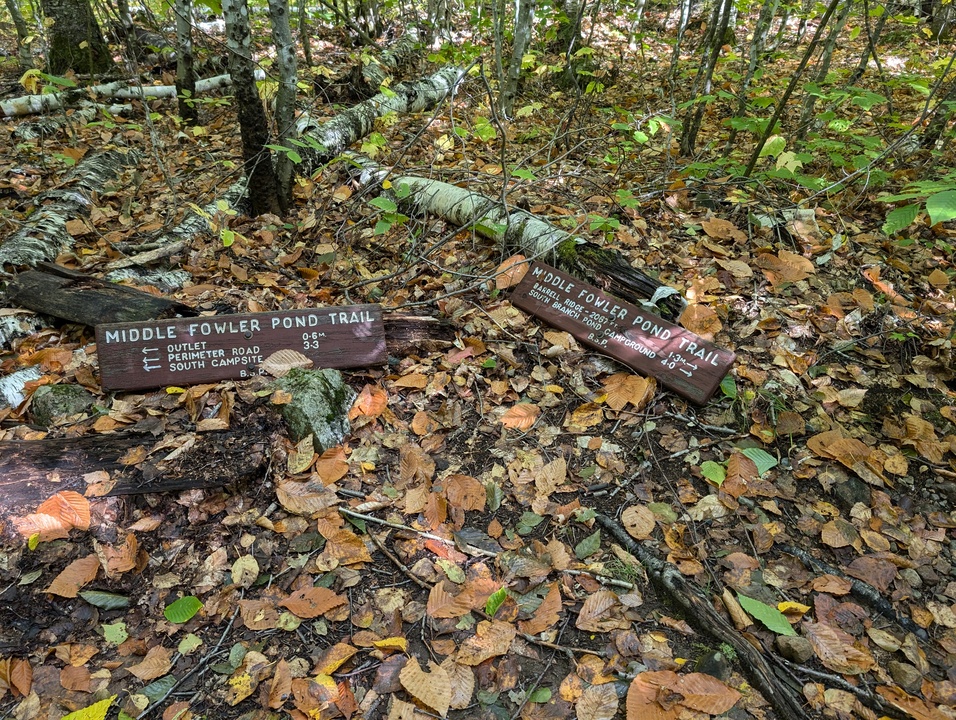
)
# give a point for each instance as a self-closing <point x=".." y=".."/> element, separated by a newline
<point x="157" y="663"/>
<point x="432" y="688"/>
<point x="311" y="602"/>
<point x="521" y="416"/>
<point x="511" y="272"/>
<point x="74" y="576"/>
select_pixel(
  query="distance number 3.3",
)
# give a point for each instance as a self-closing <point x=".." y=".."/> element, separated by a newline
<point x="312" y="340"/>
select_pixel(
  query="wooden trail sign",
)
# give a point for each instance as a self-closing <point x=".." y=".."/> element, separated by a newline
<point x="185" y="351"/>
<point x="679" y="359"/>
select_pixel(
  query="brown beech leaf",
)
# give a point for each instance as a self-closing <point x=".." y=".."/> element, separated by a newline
<point x="510" y="272"/>
<point x="432" y="688"/>
<point x="600" y="613"/>
<point x="702" y="320"/>
<point x="74" y="576"/>
<point x="639" y="521"/>
<point x="624" y="388"/>
<point x="547" y="614"/>
<point x="370" y="403"/>
<point x="305" y="498"/>
<point x="644" y="693"/>
<point x="45" y="527"/>
<point x="464" y="492"/>
<point x="462" y="680"/>
<point x="331" y="465"/>
<point x="75" y="678"/>
<point x="838" y="650"/>
<point x="279" y="363"/>
<point x="71" y="508"/>
<point x="598" y="702"/>
<point x="333" y="658"/>
<point x="119" y="558"/>
<point x="705" y="693"/>
<point x="259" y="614"/>
<point x="16" y="675"/>
<point x="491" y="639"/>
<point x="311" y="602"/>
<point x="157" y="663"/>
<point x="521" y="416"/>
<point x="442" y="604"/>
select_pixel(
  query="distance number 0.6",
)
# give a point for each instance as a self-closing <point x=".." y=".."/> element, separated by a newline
<point x="312" y="340"/>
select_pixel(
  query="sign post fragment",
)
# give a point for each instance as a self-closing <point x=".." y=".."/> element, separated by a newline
<point x="682" y="361"/>
<point x="186" y="351"/>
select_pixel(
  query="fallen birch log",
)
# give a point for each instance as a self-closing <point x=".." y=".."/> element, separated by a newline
<point x="324" y="140"/>
<point x="53" y="125"/>
<point x="118" y="89"/>
<point x="43" y="235"/>
<point x="523" y="232"/>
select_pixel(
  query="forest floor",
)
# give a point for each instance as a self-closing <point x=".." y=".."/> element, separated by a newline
<point x="833" y="440"/>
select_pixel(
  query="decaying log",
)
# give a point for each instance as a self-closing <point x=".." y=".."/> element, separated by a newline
<point x="33" y="470"/>
<point x="43" y="235"/>
<point x="77" y="297"/>
<point x="522" y="231"/>
<point x="673" y="586"/>
<point x="54" y="125"/>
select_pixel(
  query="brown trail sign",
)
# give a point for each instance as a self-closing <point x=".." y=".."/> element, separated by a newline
<point x="201" y="349"/>
<point x="679" y="359"/>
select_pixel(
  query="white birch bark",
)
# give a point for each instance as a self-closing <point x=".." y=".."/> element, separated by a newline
<point x="285" y="96"/>
<point x="524" y="20"/>
<point x="119" y="89"/>
<point x="54" y="124"/>
<point x="43" y="235"/>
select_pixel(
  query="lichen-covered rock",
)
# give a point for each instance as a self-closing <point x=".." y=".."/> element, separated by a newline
<point x="53" y="401"/>
<point x="320" y="405"/>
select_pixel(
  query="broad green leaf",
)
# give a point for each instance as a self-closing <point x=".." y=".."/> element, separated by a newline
<point x="382" y="227"/>
<point x="713" y="471"/>
<point x="227" y="236"/>
<point x="30" y="577"/>
<point x="495" y="601"/>
<point x="941" y="206"/>
<point x="494" y="495"/>
<point x="773" y="619"/>
<point x="451" y="570"/>
<point x="115" y="634"/>
<point x="189" y="643"/>
<point x="587" y="547"/>
<point x="183" y="609"/>
<point x="762" y="459"/>
<point x="383" y="203"/>
<point x="34" y="542"/>
<point x="528" y="522"/>
<point x="900" y="218"/>
<point x="157" y="689"/>
<point x="774" y="146"/>
<point x="728" y="386"/>
<point x="105" y="600"/>
<point x="663" y="512"/>
<point x="541" y="695"/>
<point x="96" y="711"/>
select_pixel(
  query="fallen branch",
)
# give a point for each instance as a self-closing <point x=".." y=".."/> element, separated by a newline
<point x="698" y="611"/>
<point x="520" y="230"/>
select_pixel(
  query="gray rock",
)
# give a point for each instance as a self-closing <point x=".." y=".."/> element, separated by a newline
<point x="905" y="675"/>
<point x="851" y="492"/>
<point x="794" y="648"/>
<point x="320" y="405"/>
<point x="716" y="665"/>
<point x="53" y="401"/>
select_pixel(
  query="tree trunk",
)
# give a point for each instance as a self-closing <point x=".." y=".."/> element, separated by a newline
<point x="521" y="231"/>
<point x="304" y="34"/>
<point x="24" y="47"/>
<point x="524" y="20"/>
<point x="285" y="97"/>
<point x="76" y="41"/>
<point x="185" y="70"/>
<point x="823" y="67"/>
<point x="263" y="187"/>
<point x="705" y="73"/>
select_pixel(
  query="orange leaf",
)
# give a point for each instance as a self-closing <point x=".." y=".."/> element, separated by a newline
<point x="701" y="320"/>
<point x="705" y="693"/>
<point x="442" y="604"/>
<point x="643" y="694"/>
<point x="433" y="688"/>
<point x="493" y="638"/>
<point x="259" y="614"/>
<point x="415" y="381"/>
<point x="464" y="492"/>
<point x="71" y="508"/>
<point x="370" y="403"/>
<point x="521" y="416"/>
<point x="45" y="526"/>
<point x="157" y="663"/>
<point x="74" y="576"/>
<point x="311" y="602"/>
<point x="624" y="388"/>
<point x="639" y="521"/>
<point x="334" y="658"/>
<point x="547" y="614"/>
<point x="511" y="272"/>
<point x="331" y="465"/>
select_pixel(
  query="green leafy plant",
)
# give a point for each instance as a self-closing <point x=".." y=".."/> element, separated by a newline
<point x="183" y="609"/>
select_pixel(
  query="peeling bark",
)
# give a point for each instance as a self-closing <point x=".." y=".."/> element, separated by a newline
<point x="519" y="230"/>
<point x="119" y="89"/>
<point x="43" y="236"/>
<point x="335" y="135"/>
<point x="54" y="125"/>
<point x="285" y="96"/>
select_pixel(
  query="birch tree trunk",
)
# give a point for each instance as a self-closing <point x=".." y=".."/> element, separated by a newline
<point x="24" y="47"/>
<point x="518" y="230"/>
<point x="524" y="20"/>
<point x="185" y="70"/>
<point x="263" y="188"/>
<point x="285" y="97"/>
<point x="826" y="58"/>
<point x="43" y="236"/>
